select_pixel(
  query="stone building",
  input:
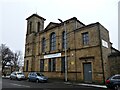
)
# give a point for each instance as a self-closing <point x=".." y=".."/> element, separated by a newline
<point x="88" y="47"/>
<point x="114" y="61"/>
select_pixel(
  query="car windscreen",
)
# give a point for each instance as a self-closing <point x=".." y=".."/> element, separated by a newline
<point x="108" y="78"/>
<point x="20" y="73"/>
<point x="39" y="74"/>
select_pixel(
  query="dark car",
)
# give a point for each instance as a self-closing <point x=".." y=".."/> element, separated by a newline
<point x="38" y="77"/>
<point x="17" y="75"/>
<point x="113" y="82"/>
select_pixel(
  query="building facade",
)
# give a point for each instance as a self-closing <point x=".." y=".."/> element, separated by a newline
<point x="114" y="61"/>
<point x="87" y="49"/>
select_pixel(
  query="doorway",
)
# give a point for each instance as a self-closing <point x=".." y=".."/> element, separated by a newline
<point x="87" y="71"/>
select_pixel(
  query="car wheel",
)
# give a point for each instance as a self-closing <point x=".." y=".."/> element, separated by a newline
<point x="46" y="81"/>
<point x="10" y="78"/>
<point x="17" y="79"/>
<point x="116" y="87"/>
<point x="28" y="80"/>
<point x="37" y="80"/>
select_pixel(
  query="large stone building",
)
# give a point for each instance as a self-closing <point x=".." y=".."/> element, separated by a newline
<point x="88" y="48"/>
<point x="114" y="61"/>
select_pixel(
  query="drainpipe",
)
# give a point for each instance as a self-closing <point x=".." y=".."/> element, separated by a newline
<point x="101" y="53"/>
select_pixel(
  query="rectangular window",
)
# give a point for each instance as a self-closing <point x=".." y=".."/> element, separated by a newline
<point x="85" y="38"/>
<point x="27" y="63"/>
<point x="42" y="65"/>
<point x="63" y="64"/>
<point x="49" y="65"/>
<point x="52" y="65"/>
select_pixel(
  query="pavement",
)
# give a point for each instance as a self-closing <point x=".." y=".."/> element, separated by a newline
<point x="77" y="83"/>
<point x="5" y="77"/>
<point x="89" y="85"/>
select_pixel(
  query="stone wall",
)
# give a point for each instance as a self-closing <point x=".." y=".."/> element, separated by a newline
<point x="114" y="63"/>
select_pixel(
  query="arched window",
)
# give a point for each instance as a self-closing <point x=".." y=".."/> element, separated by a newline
<point x="52" y="41"/>
<point x="63" y="39"/>
<point x="38" y="26"/>
<point x="30" y="26"/>
<point x="43" y="44"/>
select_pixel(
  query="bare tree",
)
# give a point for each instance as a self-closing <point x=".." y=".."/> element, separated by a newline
<point x="20" y="59"/>
<point x="6" y="55"/>
<point x="17" y="59"/>
<point x="9" y="57"/>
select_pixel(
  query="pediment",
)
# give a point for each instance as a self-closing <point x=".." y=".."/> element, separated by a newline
<point x="51" y="24"/>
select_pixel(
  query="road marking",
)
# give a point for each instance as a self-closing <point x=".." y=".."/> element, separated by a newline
<point x="19" y="85"/>
<point x="67" y="83"/>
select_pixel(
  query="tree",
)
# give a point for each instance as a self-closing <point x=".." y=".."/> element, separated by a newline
<point x="20" y="59"/>
<point x="9" y="58"/>
<point x="17" y="59"/>
<point x="6" y="56"/>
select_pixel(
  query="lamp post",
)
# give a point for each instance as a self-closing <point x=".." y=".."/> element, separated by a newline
<point x="65" y="49"/>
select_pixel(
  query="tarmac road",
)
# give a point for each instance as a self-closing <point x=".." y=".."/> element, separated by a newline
<point x="51" y="85"/>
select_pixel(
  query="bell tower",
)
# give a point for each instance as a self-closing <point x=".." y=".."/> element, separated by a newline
<point x="35" y="24"/>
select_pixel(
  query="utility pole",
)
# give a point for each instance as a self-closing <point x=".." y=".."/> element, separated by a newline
<point x="66" y="69"/>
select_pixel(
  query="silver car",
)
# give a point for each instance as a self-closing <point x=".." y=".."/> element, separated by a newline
<point x="38" y="77"/>
<point x="17" y="75"/>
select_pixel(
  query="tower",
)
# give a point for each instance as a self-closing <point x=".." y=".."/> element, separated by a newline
<point x="35" y="24"/>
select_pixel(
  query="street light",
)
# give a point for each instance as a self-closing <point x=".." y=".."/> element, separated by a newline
<point x="65" y="49"/>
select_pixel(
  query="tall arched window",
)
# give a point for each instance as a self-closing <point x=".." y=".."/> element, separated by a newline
<point x="43" y="44"/>
<point x="38" y="26"/>
<point x="52" y="41"/>
<point x="63" y="39"/>
<point x="30" y="27"/>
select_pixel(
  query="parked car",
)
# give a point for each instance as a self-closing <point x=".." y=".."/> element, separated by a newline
<point x="113" y="82"/>
<point x="38" y="77"/>
<point x="17" y="75"/>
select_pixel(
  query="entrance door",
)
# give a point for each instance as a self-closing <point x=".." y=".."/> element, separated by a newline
<point x="87" y="72"/>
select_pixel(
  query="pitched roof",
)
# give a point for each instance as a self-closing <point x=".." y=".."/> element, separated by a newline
<point x="115" y="49"/>
<point x="115" y="52"/>
<point x="53" y="25"/>
<point x="36" y="16"/>
<point x="74" y="18"/>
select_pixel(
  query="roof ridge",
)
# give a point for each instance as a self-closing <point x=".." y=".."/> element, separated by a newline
<point x="36" y="16"/>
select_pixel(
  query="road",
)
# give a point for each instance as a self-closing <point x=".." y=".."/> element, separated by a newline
<point x="51" y="85"/>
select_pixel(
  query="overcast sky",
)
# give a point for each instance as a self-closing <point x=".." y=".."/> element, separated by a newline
<point x="14" y="12"/>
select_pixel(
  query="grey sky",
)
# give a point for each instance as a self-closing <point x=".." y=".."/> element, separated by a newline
<point x="14" y="12"/>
